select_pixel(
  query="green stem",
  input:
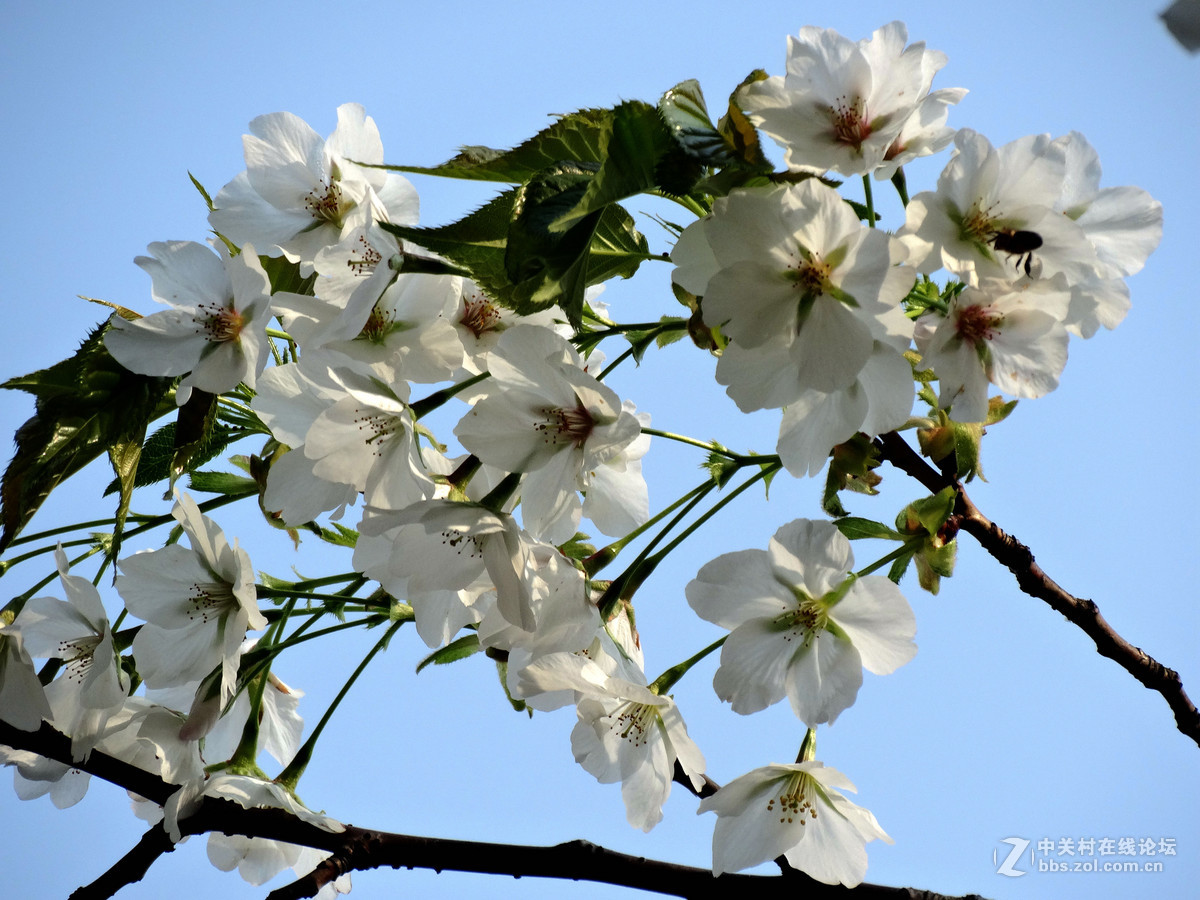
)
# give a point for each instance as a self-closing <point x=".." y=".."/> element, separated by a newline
<point x="247" y="748"/>
<point x="95" y="523"/>
<point x="605" y="555"/>
<point x="672" y="324"/>
<point x="667" y="679"/>
<point x="765" y="471"/>
<point x="710" y="446"/>
<point x="301" y="634"/>
<point x="908" y="546"/>
<point x="48" y="548"/>
<point x="266" y="593"/>
<point x="290" y="776"/>
<point x="620" y="585"/>
<point x="347" y="577"/>
<point x="438" y="398"/>
<point x="870" y="199"/>
<point x="501" y="493"/>
<point x="616" y="362"/>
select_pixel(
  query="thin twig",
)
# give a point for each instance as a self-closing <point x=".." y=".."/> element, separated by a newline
<point x="1018" y="559"/>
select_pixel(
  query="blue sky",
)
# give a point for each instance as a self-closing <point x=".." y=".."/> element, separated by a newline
<point x="1007" y="723"/>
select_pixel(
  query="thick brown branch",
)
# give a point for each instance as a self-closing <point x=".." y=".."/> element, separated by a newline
<point x="1018" y="559"/>
<point x="356" y="849"/>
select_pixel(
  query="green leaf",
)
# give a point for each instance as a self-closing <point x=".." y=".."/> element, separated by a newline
<point x="686" y="116"/>
<point x="124" y="454"/>
<point x="550" y="267"/>
<point x="856" y="529"/>
<point x="576" y="137"/>
<point x="467" y="645"/>
<point x="85" y="405"/>
<point x="158" y="451"/>
<point x="284" y="275"/>
<point x="193" y="429"/>
<point x="632" y="150"/>
<point x="227" y="483"/>
<point x="739" y="131"/>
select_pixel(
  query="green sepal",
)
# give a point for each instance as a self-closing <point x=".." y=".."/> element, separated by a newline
<point x="84" y="406"/>
<point x="577" y="547"/>
<point x="899" y="567"/>
<point x="465" y="646"/>
<point x="935" y="561"/>
<point x="339" y="535"/>
<point x="851" y="467"/>
<point x="936" y="556"/>
<point x="928" y="514"/>
<point x="720" y="467"/>
<point x="203" y="191"/>
<point x="275" y="584"/>
<point x="515" y="702"/>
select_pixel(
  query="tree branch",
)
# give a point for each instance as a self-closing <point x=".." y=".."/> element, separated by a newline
<point x="356" y="849"/>
<point x="130" y="868"/>
<point x="1018" y="559"/>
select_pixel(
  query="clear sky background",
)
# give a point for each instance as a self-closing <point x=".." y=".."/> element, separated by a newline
<point x="1007" y="723"/>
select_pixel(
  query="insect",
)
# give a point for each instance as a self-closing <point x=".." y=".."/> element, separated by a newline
<point x="1020" y="244"/>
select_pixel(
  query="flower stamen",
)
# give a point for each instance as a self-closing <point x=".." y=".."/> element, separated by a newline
<point x="795" y="800"/>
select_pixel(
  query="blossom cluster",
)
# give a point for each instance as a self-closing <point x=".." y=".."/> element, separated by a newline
<point x="816" y="312"/>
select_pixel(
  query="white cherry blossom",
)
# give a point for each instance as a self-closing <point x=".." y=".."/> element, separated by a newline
<point x="299" y="191"/>
<point x="546" y="415"/>
<point x="76" y="631"/>
<point x="799" y="626"/>
<point x="796" y="811"/>
<point x="1008" y="335"/>
<point x="197" y="603"/>
<point x="215" y="330"/>
<point x="843" y="105"/>
<point x="625" y="733"/>
<point x="794" y="265"/>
